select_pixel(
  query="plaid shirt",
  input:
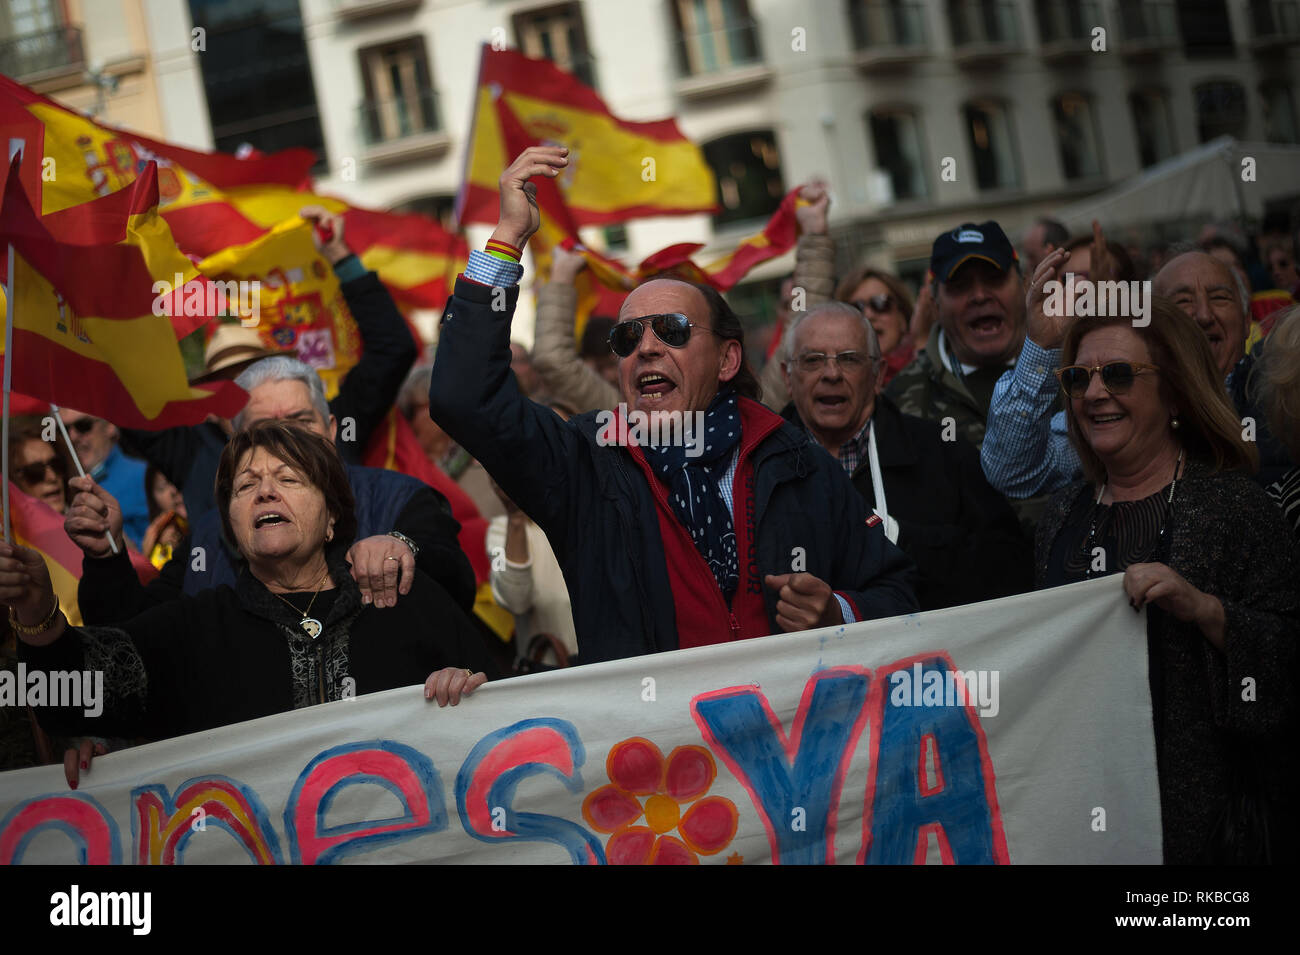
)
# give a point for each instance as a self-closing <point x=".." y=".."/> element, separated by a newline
<point x="1026" y="450"/>
<point x="853" y="452"/>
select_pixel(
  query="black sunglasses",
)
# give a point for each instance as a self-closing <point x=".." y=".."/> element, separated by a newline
<point x="35" y="472"/>
<point x="673" y="329"/>
<point x="82" y="425"/>
<point x="1117" y="377"/>
<point x="880" y="304"/>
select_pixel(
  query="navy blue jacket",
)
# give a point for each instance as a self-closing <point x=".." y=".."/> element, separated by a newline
<point x="599" y="513"/>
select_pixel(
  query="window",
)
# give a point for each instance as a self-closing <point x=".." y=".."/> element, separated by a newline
<point x="1153" y="126"/>
<point x="1279" y="113"/>
<point x="439" y="208"/>
<point x="716" y="35"/>
<point x="886" y="23"/>
<point x="1076" y="137"/>
<point x="1220" y="110"/>
<point x="1270" y="18"/>
<point x="988" y="131"/>
<point x="1205" y="28"/>
<point x="1146" y="20"/>
<point x="257" y="75"/>
<point x="1060" y="21"/>
<point x="982" y="21"/>
<point x="34" y="40"/>
<point x="557" y="34"/>
<point x="400" y="100"/>
<point x="748" y="170"/>
<point x="897" y="142"/>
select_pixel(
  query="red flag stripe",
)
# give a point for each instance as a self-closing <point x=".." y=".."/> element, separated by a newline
<point x="49" y="372"/>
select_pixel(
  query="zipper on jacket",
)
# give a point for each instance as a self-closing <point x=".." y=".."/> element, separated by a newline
<point x="735" y="625"/>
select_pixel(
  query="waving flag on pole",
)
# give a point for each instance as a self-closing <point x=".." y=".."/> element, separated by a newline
<point x="91" y="330"/>
<point x="617" y="169"/>
<point x="213" y="201"/>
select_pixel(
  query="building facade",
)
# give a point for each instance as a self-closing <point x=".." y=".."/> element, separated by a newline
<point x="920" y="113"/>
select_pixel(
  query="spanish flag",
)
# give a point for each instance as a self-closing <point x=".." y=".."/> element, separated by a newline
<point x="92" y="286"/>
<point x="617" y="169"/>
<point x="213" y="201"/>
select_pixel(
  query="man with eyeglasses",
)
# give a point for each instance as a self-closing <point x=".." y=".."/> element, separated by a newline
<point x="95" y="441"/>
<point x="759" y="533"/>
<point x="1027" y="452"/>
<point x="963" y="536"/>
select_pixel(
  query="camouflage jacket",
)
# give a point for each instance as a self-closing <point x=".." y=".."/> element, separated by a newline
<point x="928" y="390"/>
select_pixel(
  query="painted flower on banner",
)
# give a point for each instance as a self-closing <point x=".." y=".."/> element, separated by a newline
<point x="655" y="810"/>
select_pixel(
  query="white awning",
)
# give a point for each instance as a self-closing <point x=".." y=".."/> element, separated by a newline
<point x="1204" y="183"/>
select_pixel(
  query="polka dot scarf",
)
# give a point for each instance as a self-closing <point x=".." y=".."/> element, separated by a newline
<point x="693" y="490"/>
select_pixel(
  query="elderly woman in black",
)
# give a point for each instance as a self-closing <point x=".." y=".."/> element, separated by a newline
<point x="291" y="633"/>
<point x="1167" y="501"/>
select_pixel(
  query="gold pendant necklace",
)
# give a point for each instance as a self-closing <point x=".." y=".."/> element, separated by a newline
<point x="309" y="624"/>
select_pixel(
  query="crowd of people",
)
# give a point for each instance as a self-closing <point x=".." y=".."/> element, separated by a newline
<point x="899" y="452"/>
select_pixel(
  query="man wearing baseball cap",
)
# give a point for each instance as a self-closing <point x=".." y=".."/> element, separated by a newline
<point x="980" y="299"/>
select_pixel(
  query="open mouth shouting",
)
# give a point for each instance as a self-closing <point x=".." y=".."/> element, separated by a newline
<point x="986" y="326"/>
<point x="653" y="387"/>
<point x="269" y="519"/>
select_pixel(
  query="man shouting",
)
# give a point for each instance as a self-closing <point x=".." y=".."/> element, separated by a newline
<point x="757" y="533"/>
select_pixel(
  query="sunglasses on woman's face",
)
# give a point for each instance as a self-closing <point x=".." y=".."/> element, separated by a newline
<point x="34" y="473"/>
<point x="880" y="304"/>
<point x="673" y="329"/>
<point x="1117" y="377"/>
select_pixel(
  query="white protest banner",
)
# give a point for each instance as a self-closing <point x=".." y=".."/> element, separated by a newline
<point x="849" y="744"/>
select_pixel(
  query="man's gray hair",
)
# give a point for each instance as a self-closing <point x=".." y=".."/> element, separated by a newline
<point x="843" y="310"/>
<point x="413" y="389"/>
<point x="1243" y="293"/>
<point x="283" y="368"/>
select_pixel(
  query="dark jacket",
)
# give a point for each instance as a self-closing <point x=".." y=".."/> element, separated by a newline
<point x="189" y="456"/>
<point x="1244" y="390"/>
<point x="110" y="592"/>
<point x="1227" y="539"/>
<point x="599" y="513"/>
<point x="962" y="535"/>
<point x="237" y="653"/>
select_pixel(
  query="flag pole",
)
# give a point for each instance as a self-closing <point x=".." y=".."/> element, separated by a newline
<point x="15" y="147"/>
<point x="81" y="472"/>
<point x="9" y="353"/>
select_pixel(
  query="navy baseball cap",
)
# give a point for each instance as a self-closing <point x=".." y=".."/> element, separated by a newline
<point x="985" y="241"/>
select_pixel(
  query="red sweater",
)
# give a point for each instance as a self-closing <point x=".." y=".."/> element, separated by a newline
<point x="702" y="614"/>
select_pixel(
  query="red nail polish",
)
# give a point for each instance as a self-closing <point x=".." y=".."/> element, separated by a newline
<point x="84" y="764"/>
<point x="73" y="783"/>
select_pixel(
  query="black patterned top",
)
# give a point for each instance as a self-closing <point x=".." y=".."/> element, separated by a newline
<point x="1221" y="717"/>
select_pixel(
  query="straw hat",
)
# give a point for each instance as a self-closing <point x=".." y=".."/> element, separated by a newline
<point x="231" y="349"/>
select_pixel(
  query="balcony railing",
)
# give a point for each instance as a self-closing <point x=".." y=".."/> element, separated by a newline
<point x="400" y="117"/>
<point x="983" y="23"/>
<point x="356" y="9"/>
<point x="1274" y="22"/>
<point x="715" y="51"/>
<point x="881" y="23"/>
<point x="1147" y="27"/>
<point x="49" y="52"/>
